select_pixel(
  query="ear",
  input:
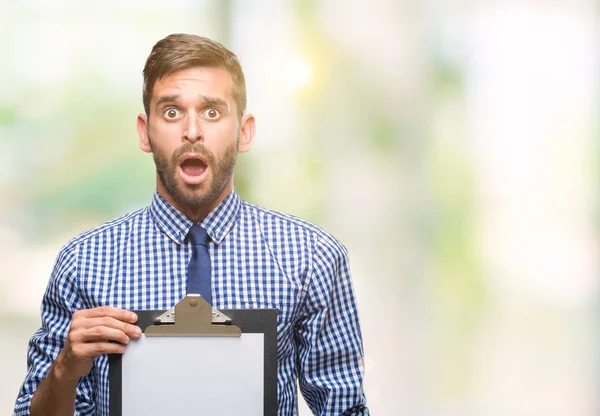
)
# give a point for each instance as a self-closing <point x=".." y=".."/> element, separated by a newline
<point x="247" y="130"/>
<point x="142" y="129"/>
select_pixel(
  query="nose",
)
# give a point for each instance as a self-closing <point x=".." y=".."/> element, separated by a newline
<point x="193" y="130"/>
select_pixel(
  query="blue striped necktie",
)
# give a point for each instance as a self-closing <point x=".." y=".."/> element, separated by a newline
<point x="198" y="280"/>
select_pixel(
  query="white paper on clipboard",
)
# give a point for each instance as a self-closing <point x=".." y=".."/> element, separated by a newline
<point x="194" y="375"/>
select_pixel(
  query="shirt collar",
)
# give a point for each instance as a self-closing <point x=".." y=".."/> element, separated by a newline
<point x="176" y="225"/>
<point x="221" y="220"/>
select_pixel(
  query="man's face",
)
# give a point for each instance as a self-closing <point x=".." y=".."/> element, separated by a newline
<point x="194" y="135"/>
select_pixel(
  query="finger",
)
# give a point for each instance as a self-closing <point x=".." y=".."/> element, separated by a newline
<point x="108" y="348"/>
<point x="110" y="311"/>
<point x="108" y="322"/>
<point x="103" y="333"/>
<point x="92" y="350"/>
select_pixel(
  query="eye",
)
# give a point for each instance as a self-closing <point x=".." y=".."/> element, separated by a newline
<point x="212" y="113"/>
<point x="171" y="113"/>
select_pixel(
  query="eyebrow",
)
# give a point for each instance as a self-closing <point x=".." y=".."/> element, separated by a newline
<point x="166" y="99"/>
<point x="211" y="101"/>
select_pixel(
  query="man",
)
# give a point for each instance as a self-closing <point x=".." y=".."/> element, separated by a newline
<point x="194" y="125"/>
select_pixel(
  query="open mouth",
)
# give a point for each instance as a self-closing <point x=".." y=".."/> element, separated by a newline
<point x="193" y="169"/>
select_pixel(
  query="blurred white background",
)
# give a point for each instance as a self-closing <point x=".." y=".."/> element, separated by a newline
<point x="452" y="147"/>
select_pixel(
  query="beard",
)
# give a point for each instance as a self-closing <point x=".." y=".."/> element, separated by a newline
<point x="204" y="194"/>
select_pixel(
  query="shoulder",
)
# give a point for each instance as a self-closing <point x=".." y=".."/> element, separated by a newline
<point x="106" y="231"/>
<point x="283" y="224"/>
<point x="65" y="274"/>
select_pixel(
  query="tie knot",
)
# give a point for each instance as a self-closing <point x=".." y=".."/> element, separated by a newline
<point x="198" y="235"/>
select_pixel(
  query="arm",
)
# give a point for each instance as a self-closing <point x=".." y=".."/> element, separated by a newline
<point x="61" y="353"/>
<point x="328" y="338"/>
<point x="88" y="337"/>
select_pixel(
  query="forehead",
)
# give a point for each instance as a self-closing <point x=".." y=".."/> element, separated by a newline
<point x="207" y="81"/>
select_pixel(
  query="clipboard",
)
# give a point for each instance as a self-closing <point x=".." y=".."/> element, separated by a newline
<point x="192" y="327"/>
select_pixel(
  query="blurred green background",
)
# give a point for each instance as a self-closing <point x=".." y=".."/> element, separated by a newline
<point x="451" y="146"/>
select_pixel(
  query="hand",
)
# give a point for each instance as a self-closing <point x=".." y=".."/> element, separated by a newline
<point x="89" y="336"/>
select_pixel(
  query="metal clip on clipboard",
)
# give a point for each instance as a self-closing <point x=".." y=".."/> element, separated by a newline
<point x="193" y="316"/>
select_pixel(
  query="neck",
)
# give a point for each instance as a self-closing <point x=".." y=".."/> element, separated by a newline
<point x="194" y="213"/>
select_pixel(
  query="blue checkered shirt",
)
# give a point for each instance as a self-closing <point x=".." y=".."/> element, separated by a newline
<point x="259" y="259"/>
